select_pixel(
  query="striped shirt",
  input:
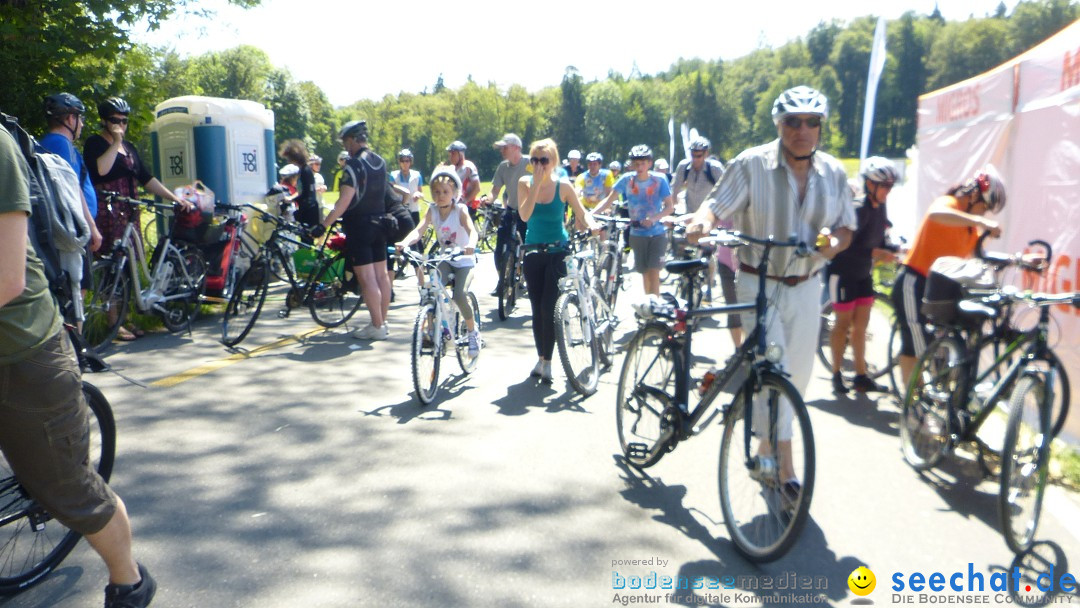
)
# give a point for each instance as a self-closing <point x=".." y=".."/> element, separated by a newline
<point x="758" y="192"/>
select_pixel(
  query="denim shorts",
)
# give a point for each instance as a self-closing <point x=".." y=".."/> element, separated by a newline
<point x="45" y="437"/>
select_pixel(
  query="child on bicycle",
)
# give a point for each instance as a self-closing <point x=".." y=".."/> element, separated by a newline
<point x="453" y="229"/>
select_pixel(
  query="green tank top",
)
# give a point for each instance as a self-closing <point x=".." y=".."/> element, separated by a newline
<point x="546" y="222"/>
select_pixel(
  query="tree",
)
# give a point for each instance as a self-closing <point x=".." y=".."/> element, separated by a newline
<point x="570" y="124"/>
<point x="1035" y="21"/>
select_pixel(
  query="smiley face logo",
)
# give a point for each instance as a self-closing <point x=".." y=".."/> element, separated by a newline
<point x="861" y="581"/>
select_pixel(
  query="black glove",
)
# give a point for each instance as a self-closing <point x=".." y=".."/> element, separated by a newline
<point x="317" y="231"/>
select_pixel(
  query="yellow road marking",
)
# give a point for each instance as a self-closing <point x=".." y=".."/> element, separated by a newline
<point x="202" y="370"/>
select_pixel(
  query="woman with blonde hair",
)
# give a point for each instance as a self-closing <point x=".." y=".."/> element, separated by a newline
<point x="542" y="201"/>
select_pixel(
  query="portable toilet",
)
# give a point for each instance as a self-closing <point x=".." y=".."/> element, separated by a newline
<point x="228" y="144"/>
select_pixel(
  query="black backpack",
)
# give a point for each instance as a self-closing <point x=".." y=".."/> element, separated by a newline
<point x="708" y="172"/>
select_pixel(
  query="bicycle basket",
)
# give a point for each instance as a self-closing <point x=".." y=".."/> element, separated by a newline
<point x="952" y="279"/>
<point x="203" y="199"/>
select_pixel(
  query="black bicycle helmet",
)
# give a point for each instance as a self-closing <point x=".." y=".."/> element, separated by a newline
<point x="640" y="151"/>
<point x="356" y="129"/>
<point x="113" y="105"/>
<point x="63" y="103"/>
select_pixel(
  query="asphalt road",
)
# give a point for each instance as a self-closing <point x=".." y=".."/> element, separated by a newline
<point x="300" y="471"/>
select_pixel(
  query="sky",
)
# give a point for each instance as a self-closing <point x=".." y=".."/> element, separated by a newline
<point x="355" y="50"/>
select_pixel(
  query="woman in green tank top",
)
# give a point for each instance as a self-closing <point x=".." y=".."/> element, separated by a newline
<point x="542" y="201"/>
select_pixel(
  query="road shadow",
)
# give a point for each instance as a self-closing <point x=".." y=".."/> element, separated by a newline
<point x="957" y="482"/>
<point x="811" y="567"/>
<point x="1040" y="567"/>
<point x="877" y="412"/>
<point x="532" y="393"/>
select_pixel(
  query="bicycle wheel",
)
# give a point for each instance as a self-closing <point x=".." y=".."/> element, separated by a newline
<point x="605" y="329"/>
<point x="468" y="364"/>
<point x="924" y="418"/>
<point x="646" y="391"/>
<point x="180" y="303"/>
<point x="607" y="278"/>
<point x="246" y="303"/>
<point x="32" y="543"/>
<point x="426" y="353"/>
<point x="577" y="348"/>
<point x="335" y="295"/>
<point x="764" y="508"/>
<point x="106" y="304"/>
<point x="879" y="353"/>
<point x="508" y="288"/>
<point x="894" y="352"/>
<point x="1025" y="460"/>
<point x="195" y="264"/>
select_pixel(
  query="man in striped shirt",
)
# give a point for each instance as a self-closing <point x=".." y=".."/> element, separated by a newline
<point x="783" y="188"/>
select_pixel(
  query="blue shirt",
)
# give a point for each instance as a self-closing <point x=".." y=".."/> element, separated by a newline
<point x="62" y="147"/>
<point x="644" y="198"/>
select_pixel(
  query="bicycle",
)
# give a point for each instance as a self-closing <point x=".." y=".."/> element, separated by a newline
<point x="944" y="408"/>
<point x="32" y="543"/>
<point x="584" y="323"/>
<point x="512" y="281"/>
<point x="330" y="291"/>
<point x="609" y="270"/>
<point x="177" y="273"/>
<point x="488" y="218"/>
<point x="764" y="512"/>
<point x="432" y="330"/>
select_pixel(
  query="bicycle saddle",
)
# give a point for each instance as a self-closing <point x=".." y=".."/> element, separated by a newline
<point x="686" y="266"/>
<point x="971" y="313"/>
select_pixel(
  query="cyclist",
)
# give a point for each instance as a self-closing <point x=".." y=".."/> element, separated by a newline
<point x="593" y="185"/>
<point x="648" y="199"/>
<point x="662" y="167"/>
<point x="951" y="227"/>
<point x="573" y="164"/>
<point x="784" y="187"/>
<point x="543" y="198"/>
<point x="406" y="177"/>
<point x="43" y="414"/>
<point x="849" y="275"/>
<point x="615" y="168"/>
<point x="320" y="182"/>
<point x="308" y="212"/>
<point x="361" y="207"/>
<point x="65" y="115"/>
<point x="453" y="230"/>
<point x="467" y="173"/>
<point x="513" y="167"/>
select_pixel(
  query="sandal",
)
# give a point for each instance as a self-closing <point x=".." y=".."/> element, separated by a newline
<point x="124" y="335"/>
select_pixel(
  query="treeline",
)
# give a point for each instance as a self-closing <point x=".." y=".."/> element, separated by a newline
<point x="728" y="101"/>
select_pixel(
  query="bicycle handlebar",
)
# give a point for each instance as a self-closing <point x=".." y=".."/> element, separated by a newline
<point x="734" y="238"/>
<point x="1001" y="260"/>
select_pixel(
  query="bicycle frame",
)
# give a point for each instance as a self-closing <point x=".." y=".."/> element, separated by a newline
<point x="439" y="294"/>
<point x="150" y="297"/>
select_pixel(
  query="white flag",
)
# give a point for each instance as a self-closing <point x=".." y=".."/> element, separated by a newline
<point x="685" y="139"/>
<point x="671" y="133"/>
<point x="877" y="64"/>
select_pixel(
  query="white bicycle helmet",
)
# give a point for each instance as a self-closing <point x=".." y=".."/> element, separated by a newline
<point x="879" y="169"/>
<point x="288" y="170"/>
<point x="615" y="166"/>
<point x="594" y="157"/>
<point x="698" y="144"/>
<point x="800" y="100"/>
<point x="447" y="171"/>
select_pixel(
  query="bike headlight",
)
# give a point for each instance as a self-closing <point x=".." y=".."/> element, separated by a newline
<point x="774" y="352"/>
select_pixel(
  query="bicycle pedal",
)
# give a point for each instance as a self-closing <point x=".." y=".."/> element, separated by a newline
<point x="283" y="313"/>
<point x="637" y="451"/>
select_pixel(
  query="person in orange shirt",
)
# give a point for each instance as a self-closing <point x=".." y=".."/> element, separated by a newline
<point x="951" y="227"/>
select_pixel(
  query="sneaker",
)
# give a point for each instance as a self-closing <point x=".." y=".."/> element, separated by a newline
<point x="495" y="292"/>
<point x="131" y="596"/>
<point x="864" y="384"/>
<point x="545" y="372"/>
<point x="838" y="387"/>
<point x="474" y="343"/>
<point x="370" y="332"/>
<point x="789" y="494"/>
<point x="538" y="370"/>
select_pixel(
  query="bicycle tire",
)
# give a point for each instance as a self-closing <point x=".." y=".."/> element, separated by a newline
<point x="196" y="265"/>
<point x="426" y="354"/>
<point x="181" y="300"/>
<point x="925" y="418"/>
<point x="508" y="288"/>
<point x="32" y="543"/>
<point x="467" y="363"/>
<point x="645" y="393"/>
<point x="334" y="295"/>
<point x="894" y="350"/>
<point x="1025" y="460"/>
<point x="105" y="279"/>
<point x="579" y="354"/>
<point x="246" y="303"/>
<point x="880" y="358"/>
<point x="762" y="518"/>
<point x="605" y="329"/>
<point x="607" y="278"/>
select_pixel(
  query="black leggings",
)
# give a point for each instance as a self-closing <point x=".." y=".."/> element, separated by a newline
<point x="542" y="273"/>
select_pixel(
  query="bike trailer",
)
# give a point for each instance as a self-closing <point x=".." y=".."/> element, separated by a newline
<point x="951" y="280"/>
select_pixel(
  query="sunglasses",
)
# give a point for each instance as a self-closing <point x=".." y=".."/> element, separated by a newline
<point x="116" y="120"/>
<point x="540" y="160"/>
<point x="697" y="154"/>
<point x="794" y="122"/>
<point x="886" y="185"/>
<point x="404" y="160"/>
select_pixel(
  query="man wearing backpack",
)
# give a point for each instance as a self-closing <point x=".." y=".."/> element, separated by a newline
<point x="41" y="396"/>
<point x="698" y="174"/>
<point x="64" y="113"/>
